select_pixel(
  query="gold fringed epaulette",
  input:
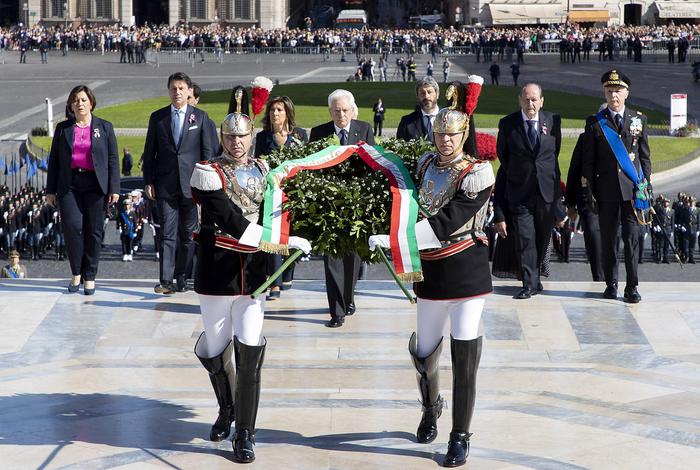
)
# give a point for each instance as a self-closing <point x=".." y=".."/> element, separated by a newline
<point x="416" y="276"/>
<point x="274" y="248"/>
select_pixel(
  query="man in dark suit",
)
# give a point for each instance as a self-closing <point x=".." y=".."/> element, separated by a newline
<point x="420" y="122"/>
<point x="610" y="174"/>
<point x="341" y="274"/>
<point x="178" y="137"/>
<point x="528" y="147"/>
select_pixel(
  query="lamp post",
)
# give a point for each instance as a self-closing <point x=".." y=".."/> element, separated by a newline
<point x="65" y="15"/>
<point x="26" y="15"/>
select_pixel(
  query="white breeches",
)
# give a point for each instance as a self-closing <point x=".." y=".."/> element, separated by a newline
<point x="226" y="316"/>
<point x="432" y="315"/>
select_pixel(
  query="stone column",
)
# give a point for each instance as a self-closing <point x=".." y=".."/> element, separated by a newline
<point x="272" y="13"/>
<point x="173" y="11"/>
<point x="34" y="9"/>
<point x="126" y="12"/>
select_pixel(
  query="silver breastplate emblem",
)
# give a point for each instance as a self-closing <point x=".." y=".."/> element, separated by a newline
<point x="245" y="185"/>
<point x="437" y="187"/>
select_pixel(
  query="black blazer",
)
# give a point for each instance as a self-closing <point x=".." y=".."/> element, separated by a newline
<point x="265" y="144"/>
<point x="167" y="164"/>
<point x="527" y="170"/>
<point x="600" y="166"/>
<point x="360" y="131"/>
<point x="411" y="127"/>
<point x="105" y="157"/>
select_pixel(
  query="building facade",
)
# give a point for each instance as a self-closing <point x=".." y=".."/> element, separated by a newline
<point x="602" y="12"/>
<point x="266" y="14"/>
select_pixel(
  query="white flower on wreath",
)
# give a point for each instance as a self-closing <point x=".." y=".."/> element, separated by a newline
<point x="636" y="126"/>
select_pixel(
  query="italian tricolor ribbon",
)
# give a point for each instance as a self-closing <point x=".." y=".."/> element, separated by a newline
<point x="404" y="207"/>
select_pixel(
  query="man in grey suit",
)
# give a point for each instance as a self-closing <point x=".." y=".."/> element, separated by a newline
<point x="341" y="274"/>
<point x="178" y="137"/>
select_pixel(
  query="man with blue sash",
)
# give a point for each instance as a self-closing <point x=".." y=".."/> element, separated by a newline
<point x="617" y="166"/>
<point x="13" y="270"/>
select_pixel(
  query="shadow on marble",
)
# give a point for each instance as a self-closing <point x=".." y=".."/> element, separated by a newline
<point x="123" y="421"/>
<point x="171" y="307"/>
<point x="276" y="317"/>
<point x="365" y="442"/>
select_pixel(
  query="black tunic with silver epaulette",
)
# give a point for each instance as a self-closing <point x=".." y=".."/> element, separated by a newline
<point x="221" y="271"/>
<point x="465" y="274"/>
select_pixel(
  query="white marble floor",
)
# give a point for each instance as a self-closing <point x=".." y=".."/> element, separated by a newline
<point x="568" y="381"/>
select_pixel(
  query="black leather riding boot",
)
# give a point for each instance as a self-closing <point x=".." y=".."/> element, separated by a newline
<point x="249" y="361"/>
<point x="465" y="362"/>
<point x="428" y="377"/>
<point x="222" y="376"/>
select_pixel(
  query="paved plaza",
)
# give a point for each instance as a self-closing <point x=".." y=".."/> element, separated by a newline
<point x="568" y="381"/>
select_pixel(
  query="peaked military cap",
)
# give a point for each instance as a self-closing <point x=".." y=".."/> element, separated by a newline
<point x="615" y="78"/>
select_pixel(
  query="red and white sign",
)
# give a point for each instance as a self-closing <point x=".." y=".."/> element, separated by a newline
<point x="679" y="111"/>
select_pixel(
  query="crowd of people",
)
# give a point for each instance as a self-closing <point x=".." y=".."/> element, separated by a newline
<point x="34" y="229"/>
<point x="487" y="41"/>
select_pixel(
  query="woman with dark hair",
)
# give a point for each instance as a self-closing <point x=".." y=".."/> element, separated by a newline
<point x="83" y="176"/>
<point x="279" y="131"/>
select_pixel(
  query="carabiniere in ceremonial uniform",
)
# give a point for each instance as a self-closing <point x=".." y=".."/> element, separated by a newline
<point x="230" y="190"/>
<point x="454" y="190"/>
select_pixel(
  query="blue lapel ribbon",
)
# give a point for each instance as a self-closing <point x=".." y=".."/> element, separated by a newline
<point x="641" y="199"/>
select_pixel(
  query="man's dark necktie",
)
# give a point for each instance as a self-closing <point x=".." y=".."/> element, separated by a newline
<point x="618" y="121"/>
<point x="532" y="133"/>
<point x="343" y="137"/>
<point x="428" y="128"/>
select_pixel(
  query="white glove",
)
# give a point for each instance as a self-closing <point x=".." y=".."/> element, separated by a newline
<point x="300" y="244"/>
<point x="682" y="228"/>
<point x="381" y="241"/>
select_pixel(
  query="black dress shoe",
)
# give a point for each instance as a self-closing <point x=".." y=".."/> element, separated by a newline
<point x="87" y="291"/>
<point x="72" y="289"/>
<point x="335" y="322"/>
<point x="525" y="293"/>
<point x="610" y="292"/>
<point x="540" y="287"/>
<point x="351" y="309"/>
<point x="632" y="296"/>
<point x="181" y="284"/>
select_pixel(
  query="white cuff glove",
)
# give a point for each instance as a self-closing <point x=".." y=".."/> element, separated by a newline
<point x="381" y="241"/>
<point x="300" y="244"/>
<point x="682" y="229"/>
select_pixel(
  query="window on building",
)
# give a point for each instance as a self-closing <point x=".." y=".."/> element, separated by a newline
<point x="223" y="9"/>
<point x="198" y="9"/>
<point x="103" y="9"/>
<point x="243" y="9"/>
<point x="84" y="8"/>
<point x="53" y="9"/>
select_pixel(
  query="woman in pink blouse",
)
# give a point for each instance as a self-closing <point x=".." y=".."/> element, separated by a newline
<point x="83" y="177"/>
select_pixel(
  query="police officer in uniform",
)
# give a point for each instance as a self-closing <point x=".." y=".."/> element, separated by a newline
<point x="454" y="191"/>
<point x="229" y="190"/>
<point x="616" y="150"/>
